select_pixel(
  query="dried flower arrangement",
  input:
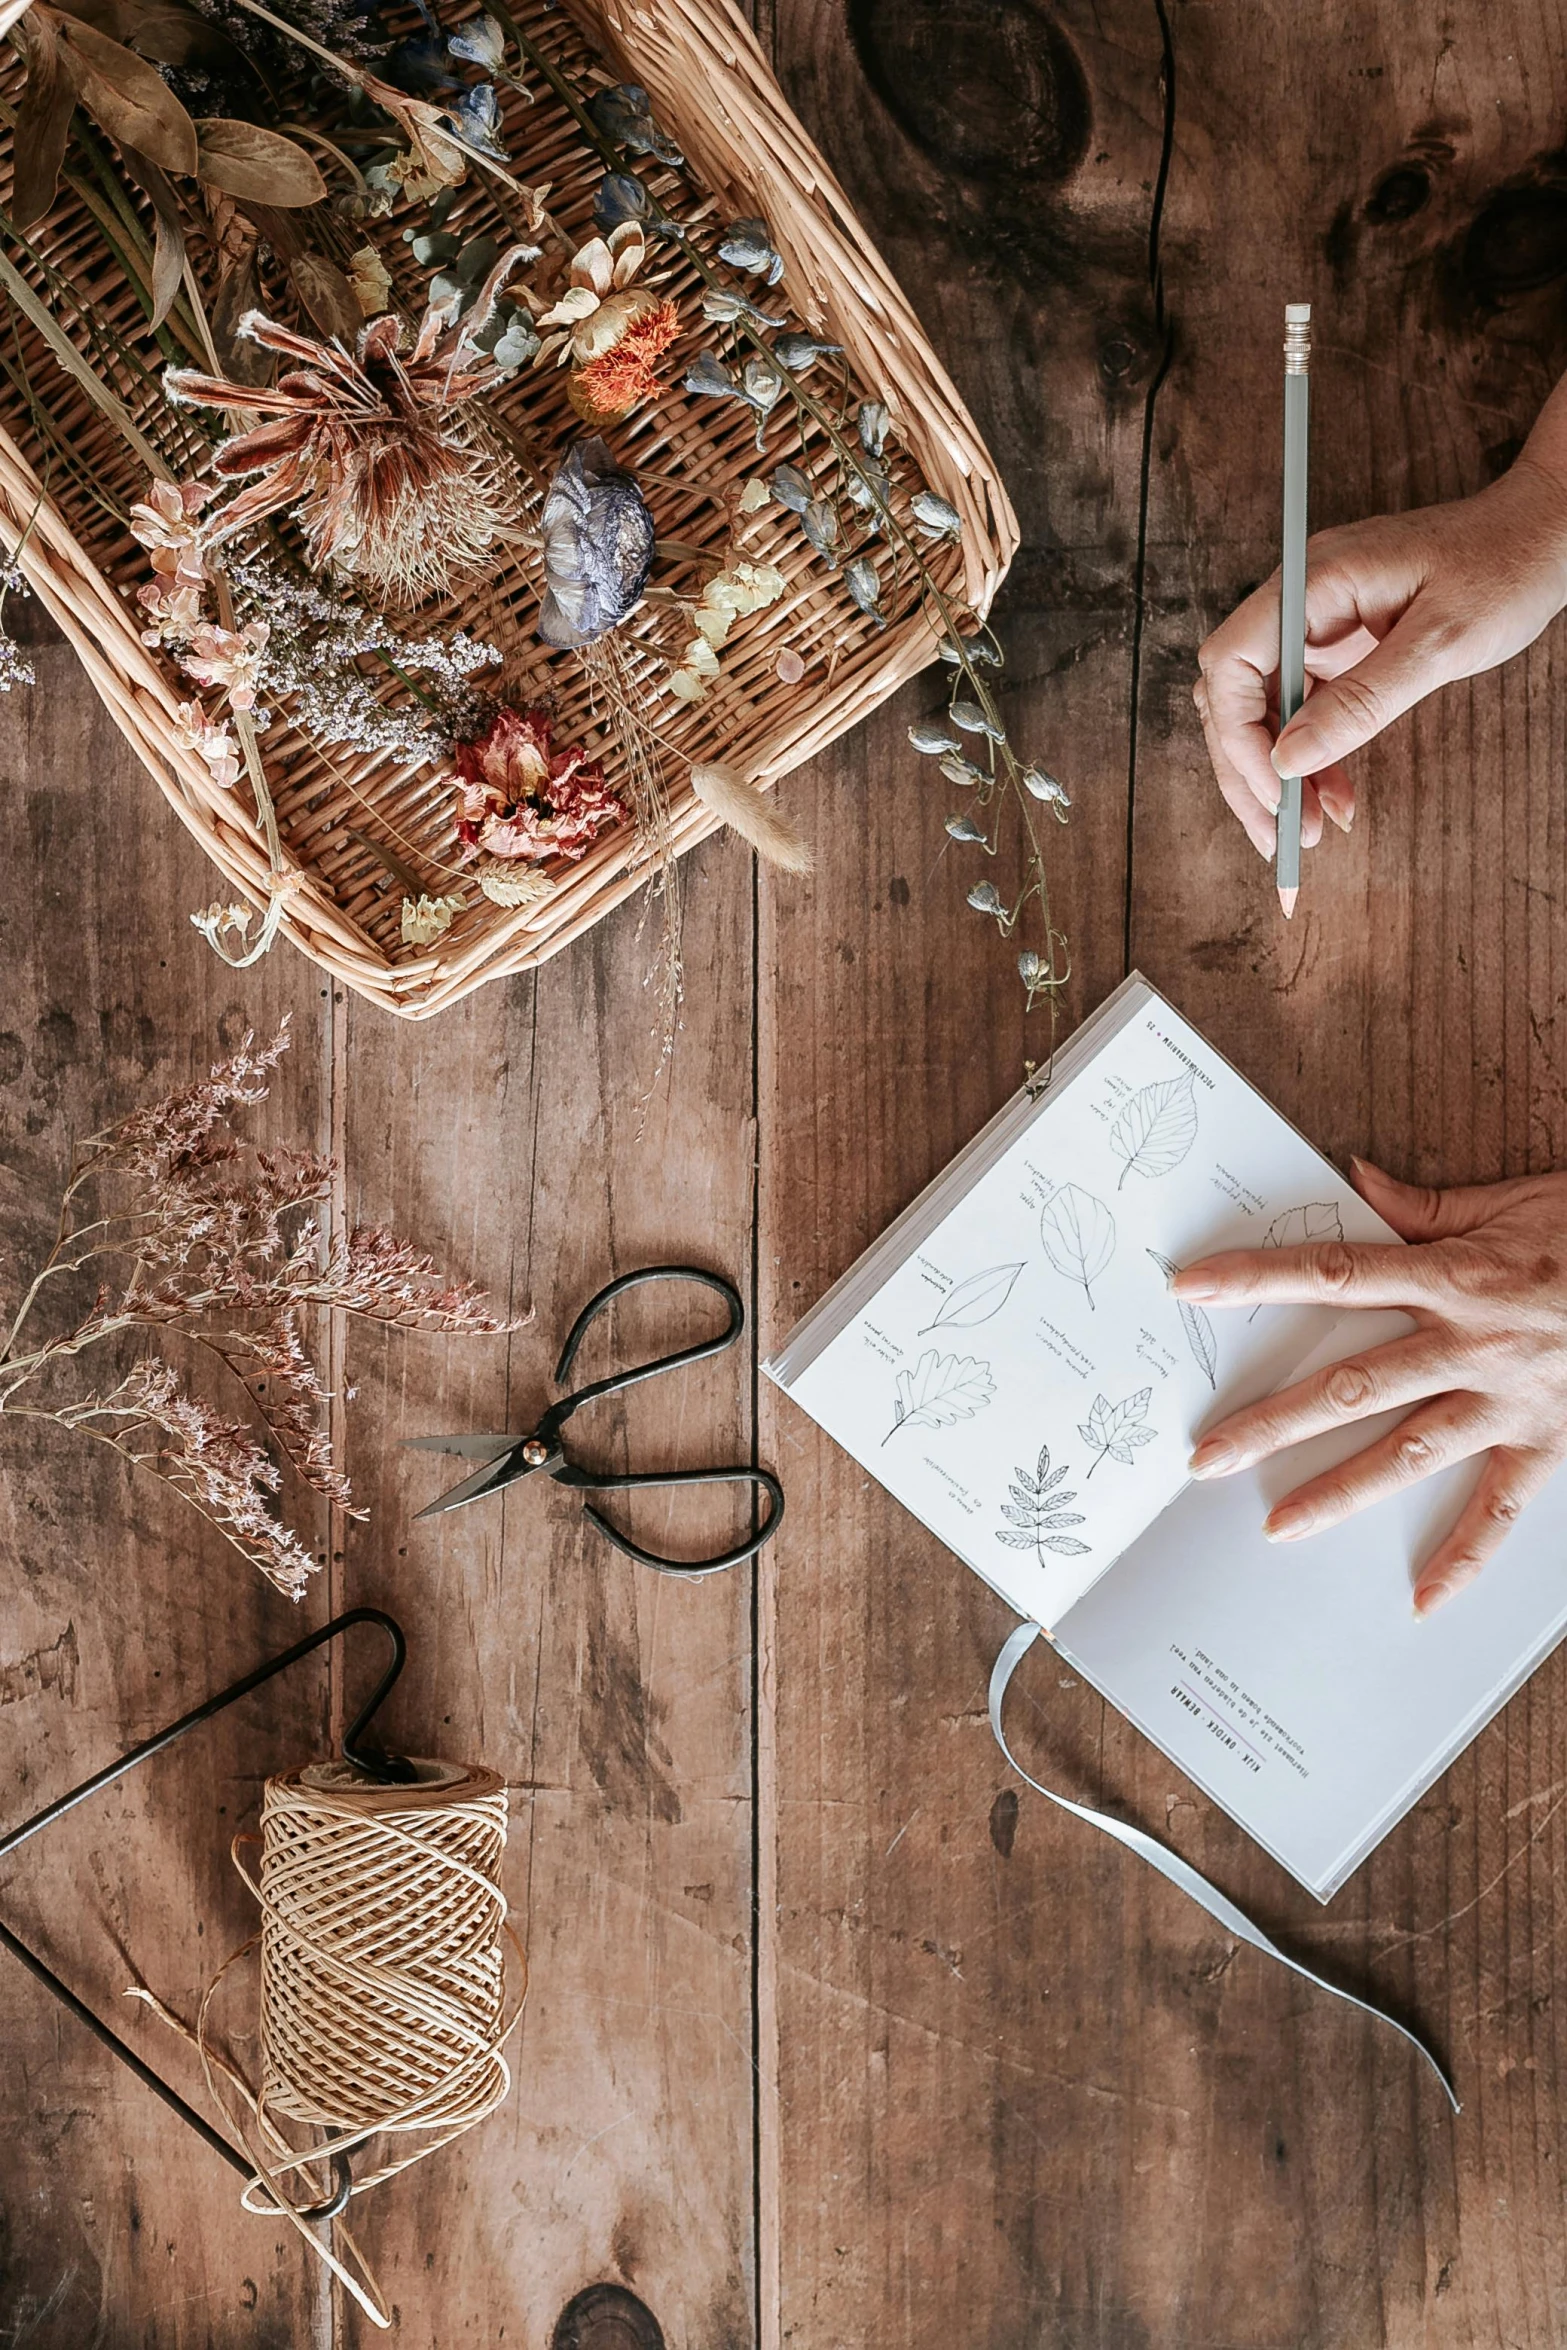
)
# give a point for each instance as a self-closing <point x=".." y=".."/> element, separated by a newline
<point x="397" y="281"/>
<point x="229" y="1257"/>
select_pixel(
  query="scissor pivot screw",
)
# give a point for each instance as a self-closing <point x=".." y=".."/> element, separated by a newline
<point x="535" y="1454"/>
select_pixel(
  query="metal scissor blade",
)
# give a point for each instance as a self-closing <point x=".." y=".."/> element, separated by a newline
<point x="489" y="1479"/>
<point x="473" y="1448"/>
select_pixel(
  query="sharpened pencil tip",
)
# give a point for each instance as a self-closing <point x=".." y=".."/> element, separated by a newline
<point x="1287" y="899"/>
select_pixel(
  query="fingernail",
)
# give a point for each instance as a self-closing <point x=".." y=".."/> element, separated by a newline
<point x="1430" y="1597"/>
<point x="1287" y="1525"/>
<point x="1213" y="1458"/>
<point x="1344" y="820"/>
<point x="1198" y="1285"/>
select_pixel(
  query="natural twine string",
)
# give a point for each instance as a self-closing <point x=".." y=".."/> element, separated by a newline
<point x="383" y="2007"/>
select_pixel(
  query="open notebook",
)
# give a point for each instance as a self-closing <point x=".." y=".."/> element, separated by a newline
<point x="1009" y="1361"/>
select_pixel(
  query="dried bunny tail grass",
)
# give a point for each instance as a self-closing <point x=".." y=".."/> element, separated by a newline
<point x="754" y="815"/>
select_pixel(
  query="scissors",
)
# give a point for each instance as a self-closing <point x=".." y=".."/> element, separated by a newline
<point x="506" y="1458"/>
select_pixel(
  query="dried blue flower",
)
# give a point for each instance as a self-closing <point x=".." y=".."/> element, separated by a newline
<point x="621" y="197"/>
<point x="724" y="308"/>
<point x="869" y="484"/>
<point x="981" y="652"/>
<point x="965" y="828"/>
<point x="710" y="379"/>
<point x="864" y="586"/>
<point x="598" y="547"/>
<point x="973" y="720"/>
<point x="480" y="42"/>
<point x="762" y="385"/>
<point x="874" y="421"/>
<point x="1029" y="968"/>
<point x="790" y="488"/>
<point x="931" y="737"/>
<point x="959" y="770"/>
<point x="1045" y="787"/>
<point x="985" y="898"/>
<point x="799" y="352"/>
<point x="624" y="114"/>
<point x="747" y="245"/>
<point x="819" y="522"/>
<point x="477" y="115"/>
<point x="935" y="517"/>
<point x="419" y="66"/>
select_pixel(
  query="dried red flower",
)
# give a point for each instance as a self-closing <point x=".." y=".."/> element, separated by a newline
<point x="520" y="797"/>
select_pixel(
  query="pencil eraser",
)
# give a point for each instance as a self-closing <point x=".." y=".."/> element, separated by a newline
<point x="1297" y="314"/>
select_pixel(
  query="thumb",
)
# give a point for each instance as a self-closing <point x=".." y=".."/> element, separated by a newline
<point x="1418" y="1211"/>
<point x="1344" y="713"/>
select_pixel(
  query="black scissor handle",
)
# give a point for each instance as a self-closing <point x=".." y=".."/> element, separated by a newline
<point x="636" y="1481"/>
<point x="562" y="1411"/>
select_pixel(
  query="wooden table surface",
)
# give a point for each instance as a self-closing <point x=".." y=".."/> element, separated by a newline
<point x="833" y="2040"/>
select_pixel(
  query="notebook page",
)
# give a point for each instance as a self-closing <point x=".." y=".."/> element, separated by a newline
<point x="1023" y="1380"/>
<point x="1293" y="1681"/>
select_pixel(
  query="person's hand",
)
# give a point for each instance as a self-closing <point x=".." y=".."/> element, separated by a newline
<point x="1484" y="1370"/>
<point x="1395" y="607"/>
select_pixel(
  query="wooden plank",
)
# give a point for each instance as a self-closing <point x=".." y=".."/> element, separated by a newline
<point x="1419" y="1024"/>
<point x="121" y="1609"/>
<point x="942" y="2159"/>
<point x="615" y="1700"/>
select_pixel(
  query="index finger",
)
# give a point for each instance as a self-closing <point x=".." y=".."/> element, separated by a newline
<point x="1324" y="1272"/>
<point x="1237" y="663"/>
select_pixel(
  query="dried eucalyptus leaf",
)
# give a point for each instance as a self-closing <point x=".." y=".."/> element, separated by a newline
<point x="435" y="246"/>
<point x="43" y="118"/>
<point x="258" y="166"/>
<point x="128" y="99"/>
<point x="168" y="250"/>
<point x="790" y="488"/>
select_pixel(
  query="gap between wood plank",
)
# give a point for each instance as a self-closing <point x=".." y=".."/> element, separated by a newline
<point x="1145" y="467"/>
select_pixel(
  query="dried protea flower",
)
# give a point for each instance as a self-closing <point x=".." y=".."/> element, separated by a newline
<point x="598" y="547"/>
<point x="389" y="481"/>
<point x="521" y="798"/>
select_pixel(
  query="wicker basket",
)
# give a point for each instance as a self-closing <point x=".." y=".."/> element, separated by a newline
<point x="349" y="824"/>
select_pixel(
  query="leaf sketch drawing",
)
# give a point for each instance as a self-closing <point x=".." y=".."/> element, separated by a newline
<point x="1199" y="1330"/>
<point x="976" y="1300"/>
<point x="1037" y="1512"/>
<point x="1078" y="1231"/>
<point x="1319" y="1219"/>
<point x="1157" y="1127"/>
<point x="938" y="1390"/>
<point x="1117" y="1429"/>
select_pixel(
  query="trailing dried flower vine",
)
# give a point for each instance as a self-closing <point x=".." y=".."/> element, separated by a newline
<point x="186" y="1236"/>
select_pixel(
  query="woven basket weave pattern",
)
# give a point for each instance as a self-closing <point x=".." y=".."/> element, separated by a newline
<point x="348" y="821"/>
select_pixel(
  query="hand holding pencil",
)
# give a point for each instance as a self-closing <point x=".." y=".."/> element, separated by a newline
<point x="1395" y="607"/>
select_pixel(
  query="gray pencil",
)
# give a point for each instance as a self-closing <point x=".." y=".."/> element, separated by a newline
<point x="1292" y="594"/>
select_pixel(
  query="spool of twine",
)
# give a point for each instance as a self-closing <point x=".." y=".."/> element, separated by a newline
<point x="383" y="1997"/>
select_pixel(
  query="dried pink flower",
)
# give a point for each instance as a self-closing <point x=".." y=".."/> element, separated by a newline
<point x="211" y="740"/>
<point x="225" y="1249"/>
<point x="166" y="522"/>
<point x="224" y="657"/>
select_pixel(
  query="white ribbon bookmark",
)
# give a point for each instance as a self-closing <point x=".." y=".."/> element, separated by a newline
<point x="1179" y="1872"/>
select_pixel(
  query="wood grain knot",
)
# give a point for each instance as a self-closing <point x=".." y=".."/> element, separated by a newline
<point x="1516" y="244"/>
<point x="1398" y="195"/>
<point x="606" y="2317"/>
<point x="989" y="89"/>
